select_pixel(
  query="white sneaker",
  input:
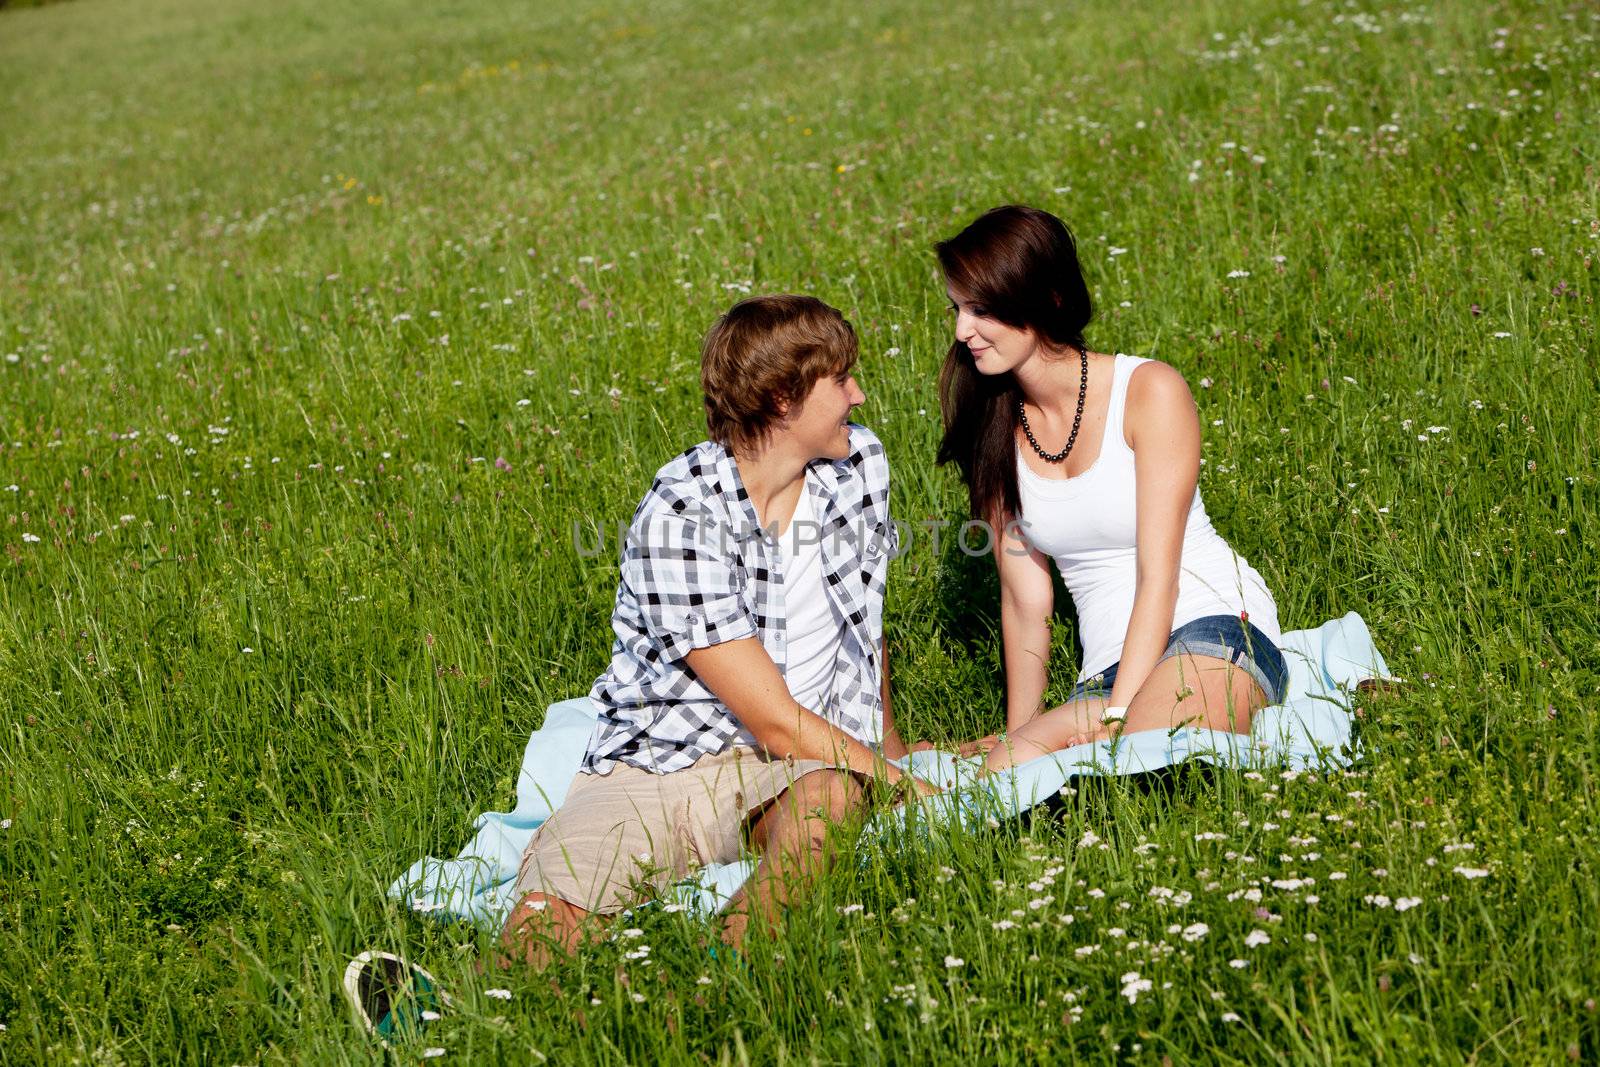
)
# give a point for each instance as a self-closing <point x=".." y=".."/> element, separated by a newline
<point x="392" y="999"/>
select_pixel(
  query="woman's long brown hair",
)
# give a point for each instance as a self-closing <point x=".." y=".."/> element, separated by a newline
<point x="1020" y="266"/>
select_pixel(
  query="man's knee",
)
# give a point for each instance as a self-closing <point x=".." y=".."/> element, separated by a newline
<point x="830" y="794"/>
<point x="813" y="810"/>
<point x="538" y="915"/>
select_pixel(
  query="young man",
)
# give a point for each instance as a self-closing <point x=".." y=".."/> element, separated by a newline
<point x="748" y="681"/>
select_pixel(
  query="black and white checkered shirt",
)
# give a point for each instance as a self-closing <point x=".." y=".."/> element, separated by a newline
<point x="697" y="570"/>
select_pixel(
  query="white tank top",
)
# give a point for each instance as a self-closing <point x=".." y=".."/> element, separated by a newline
<point x="1088" y="526"/>
<point x="811" y="636"/>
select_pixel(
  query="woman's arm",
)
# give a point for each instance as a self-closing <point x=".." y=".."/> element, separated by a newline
<point x="1163" y="428"/>
<point x="1026" y="601"/>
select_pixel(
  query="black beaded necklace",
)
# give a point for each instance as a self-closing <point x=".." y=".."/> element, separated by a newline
<point x="1077" y="419"/>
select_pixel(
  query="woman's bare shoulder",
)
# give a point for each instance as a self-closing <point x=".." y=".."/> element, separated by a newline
<point x="1157" y="394"/>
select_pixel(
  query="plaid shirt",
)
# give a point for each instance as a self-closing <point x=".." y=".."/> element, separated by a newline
<point x="698" y="570"/>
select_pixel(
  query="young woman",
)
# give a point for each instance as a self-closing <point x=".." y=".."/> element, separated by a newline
<point x="1090" y="461"/>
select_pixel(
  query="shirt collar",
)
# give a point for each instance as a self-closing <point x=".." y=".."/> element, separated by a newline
<point x="822" y="482"/>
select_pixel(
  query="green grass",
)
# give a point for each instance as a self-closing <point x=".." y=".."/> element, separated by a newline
<point x="280" y="283"/>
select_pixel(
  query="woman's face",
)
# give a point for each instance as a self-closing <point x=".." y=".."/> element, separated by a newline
<point x="996" y="348"/>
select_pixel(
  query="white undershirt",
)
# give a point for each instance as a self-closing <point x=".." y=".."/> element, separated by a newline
<point x="812" y="634"/>
<point x="1089" y="525"/>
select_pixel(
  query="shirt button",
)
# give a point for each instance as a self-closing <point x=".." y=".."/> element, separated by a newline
<point x="692" y="619"/>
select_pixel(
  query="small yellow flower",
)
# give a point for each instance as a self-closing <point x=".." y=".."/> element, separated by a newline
<point x="350" y="183"/>
<point x="374" y="200"/>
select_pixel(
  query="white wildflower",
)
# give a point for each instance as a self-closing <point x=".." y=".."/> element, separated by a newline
<point x="1133" y="985"/>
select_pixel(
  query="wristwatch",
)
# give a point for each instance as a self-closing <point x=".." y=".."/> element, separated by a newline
<point x="1114" y="713"/>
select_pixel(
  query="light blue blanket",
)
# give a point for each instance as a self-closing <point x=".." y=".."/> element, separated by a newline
<point x="1310" y="729"/>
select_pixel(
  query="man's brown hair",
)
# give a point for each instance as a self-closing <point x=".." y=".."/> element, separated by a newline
<point x="765" y="351"/>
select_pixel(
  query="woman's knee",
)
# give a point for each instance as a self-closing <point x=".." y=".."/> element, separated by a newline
<point x="1199" y="691"/>
<point x="1224" y="694"/>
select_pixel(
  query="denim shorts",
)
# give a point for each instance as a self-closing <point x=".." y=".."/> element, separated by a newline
<point x="1221" y="637"/>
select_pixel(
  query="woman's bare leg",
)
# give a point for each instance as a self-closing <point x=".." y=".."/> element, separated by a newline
<point x="1183" y="690"/>
<point x="1050" y="731"/>
<point x="1193" y="691"/>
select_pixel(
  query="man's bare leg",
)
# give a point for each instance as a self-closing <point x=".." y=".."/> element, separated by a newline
<point x="539" y="927"/>
<point x="792" y="836"/>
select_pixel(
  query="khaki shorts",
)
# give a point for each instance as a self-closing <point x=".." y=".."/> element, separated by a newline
<point x="621" y="835"/>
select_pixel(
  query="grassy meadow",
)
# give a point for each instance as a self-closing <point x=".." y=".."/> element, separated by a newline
<point x="322" y="325"/>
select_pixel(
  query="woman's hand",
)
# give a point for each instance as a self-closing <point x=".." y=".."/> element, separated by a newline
<point x="978" y="747"/>
<point x="975" y="747"/>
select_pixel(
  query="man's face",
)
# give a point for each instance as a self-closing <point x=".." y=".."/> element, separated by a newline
<point x="818" y="424"/>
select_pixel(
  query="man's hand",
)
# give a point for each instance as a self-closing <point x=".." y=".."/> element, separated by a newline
<point x="909" y="787"/>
